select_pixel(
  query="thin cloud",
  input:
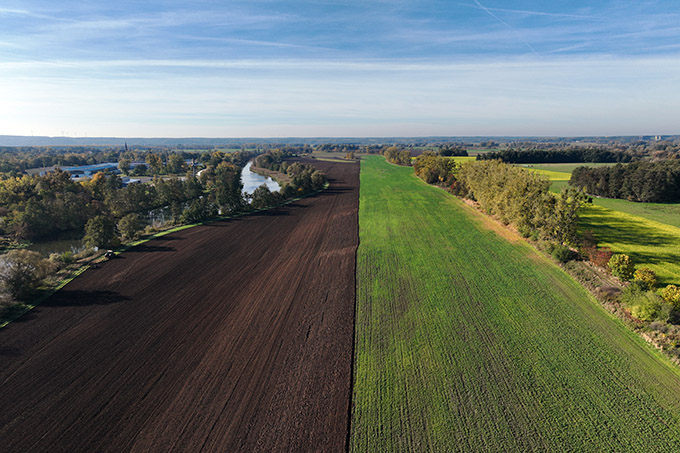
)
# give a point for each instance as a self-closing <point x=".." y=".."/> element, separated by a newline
<point x="532" y="13"/>
<point x="490" y="13"/>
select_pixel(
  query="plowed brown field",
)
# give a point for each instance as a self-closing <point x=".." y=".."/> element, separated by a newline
<point x="227" y="337"/>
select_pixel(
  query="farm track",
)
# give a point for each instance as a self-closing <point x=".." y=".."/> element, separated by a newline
<point x="227" y="337"/>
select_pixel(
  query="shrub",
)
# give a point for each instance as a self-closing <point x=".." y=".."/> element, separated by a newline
<point x="9" y="310"/>
<point x="524" y="231"/>
<point x="647" y="277"/>
<point x="562" y="253"/>
<point x="608" y="293"/>
<point x="645" y="305"/>
<point x="559" y="252"/>
<point x="67" y="258"/>
<point x="637" y="285"/>
<point x="22" y="271"/>
<point x="199" y="210"/>
<point x="621" y="266"/>
<point x="600" y="256"/>
<point x="671" y="294"/>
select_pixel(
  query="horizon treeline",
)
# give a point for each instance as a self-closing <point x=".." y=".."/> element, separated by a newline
<point x="642" y="181"/>
<point x="554" y="156"/>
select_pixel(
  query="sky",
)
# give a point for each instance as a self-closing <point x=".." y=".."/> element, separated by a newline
<point x="266" y="68"/>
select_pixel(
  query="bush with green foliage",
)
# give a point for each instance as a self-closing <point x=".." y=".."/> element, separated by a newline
<point x="434" y="169"/>
<point x="562" y="253"/>
<point x="645" y="305"/>
<point x="67" y="258"/>
<point x="621" y="266"/>
<point x="559" y="252"/>
<point x="22" y="271"/>
<point x="646" y="277"/>
<point x="671" y="294"/>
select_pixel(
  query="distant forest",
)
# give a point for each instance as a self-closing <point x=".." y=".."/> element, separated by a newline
<point x="644" y="181"/>
<point x="554" y="156"/>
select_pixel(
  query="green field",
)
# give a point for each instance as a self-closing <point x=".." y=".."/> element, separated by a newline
<point x="567" y="168"/>
<point x="668" y="213"/>
<point x="467" y="341"/>
<point x="649" y="243"/>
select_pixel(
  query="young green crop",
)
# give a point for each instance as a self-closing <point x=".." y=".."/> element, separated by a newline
<point x="468" y="341"/>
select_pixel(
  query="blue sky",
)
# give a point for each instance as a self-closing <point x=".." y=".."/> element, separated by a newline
<point x="339" y="68"/>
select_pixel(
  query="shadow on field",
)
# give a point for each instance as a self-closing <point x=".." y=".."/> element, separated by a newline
<point x="625" y="230"/>
<point x="149" y="248"/>
<point x="271" y="213"/>
<point x="77" y="298"/>
<point x="338" y="190"/>
<point x="171" y="238"/>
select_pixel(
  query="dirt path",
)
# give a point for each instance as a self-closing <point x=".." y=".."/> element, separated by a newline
<point x="228" y="337"/>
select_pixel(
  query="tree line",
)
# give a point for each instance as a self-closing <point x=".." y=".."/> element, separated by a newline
<point x="158" y="160"/>
<point x="397" y="155"/>
<point x="305" y="178"/>
<point x="642" y="181"/>
<point x="522" y="199"/>
<point x="512" y="194"/>
<point x="569" y="155"/>
<point x="40" y="207"/>
<point x="435" y="169"/>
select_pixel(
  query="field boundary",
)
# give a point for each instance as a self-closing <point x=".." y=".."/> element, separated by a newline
<point x="98" y="259"/>
<point x="350" y="404"/>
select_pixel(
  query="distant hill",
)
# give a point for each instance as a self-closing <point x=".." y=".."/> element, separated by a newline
<point x="19" y="140"/>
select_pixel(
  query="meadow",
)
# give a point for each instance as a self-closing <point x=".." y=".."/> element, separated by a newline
<point x="559" y="174"/>
<point x="647" y="232"/>
<point x="468" y="340"/>
<point x="652" y="244"/>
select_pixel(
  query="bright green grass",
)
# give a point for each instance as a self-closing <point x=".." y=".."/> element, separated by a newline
<point x="568" y="168"/>
<point x="668" y="213"/>
<point x="649" y="243"/>
<point x="468" y="342"/>
<point x="648" y="232"/>
<point x="461" y="159"/>
<point x="551" y="174"/>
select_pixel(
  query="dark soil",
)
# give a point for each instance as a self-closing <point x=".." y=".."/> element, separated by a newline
<point x="228" y="337"/>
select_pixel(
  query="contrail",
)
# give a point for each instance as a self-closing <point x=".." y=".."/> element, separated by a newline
<point x="490" y="13"/>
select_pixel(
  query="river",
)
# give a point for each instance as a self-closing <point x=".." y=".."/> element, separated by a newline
<point x="252" y="181"/>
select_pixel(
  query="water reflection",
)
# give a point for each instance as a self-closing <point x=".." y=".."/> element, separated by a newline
<point x="252" y="181"/>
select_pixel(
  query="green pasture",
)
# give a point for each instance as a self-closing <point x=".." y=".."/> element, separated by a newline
<point x="652" y="244"/>
<point x="567" y="168"/>
<point x="668" y="213"/>
<point x="461" y="159"/>
<point x="468" y="341"/>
